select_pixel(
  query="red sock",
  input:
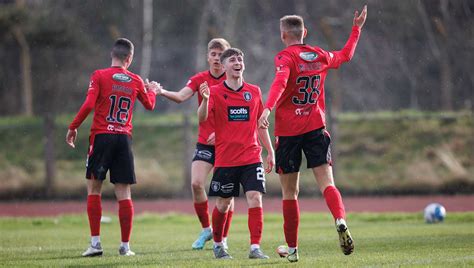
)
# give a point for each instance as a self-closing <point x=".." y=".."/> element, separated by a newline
<point x="334" y="202"/>
<point x="291" y="220"/>
<point x="218" y="222"/>
<point x="202" y="211"/>
<point x="255" y="223"/>
<point x="126" y="217"/>
<point x="228" y="222"/>
<point x="94" y="212"/>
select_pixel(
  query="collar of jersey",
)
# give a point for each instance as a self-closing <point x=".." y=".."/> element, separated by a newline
<point x="218" y="77"/>
<point x="229" y="88"/>
<point x="297" y="45"/>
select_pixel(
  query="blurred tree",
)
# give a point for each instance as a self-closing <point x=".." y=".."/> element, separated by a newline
<point x="14" y="19"/>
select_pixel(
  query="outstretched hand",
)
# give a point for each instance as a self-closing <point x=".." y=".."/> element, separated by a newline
<point x="154" y="86"/>
<point x="359" y="20"/>
<point x="204" y="90"/>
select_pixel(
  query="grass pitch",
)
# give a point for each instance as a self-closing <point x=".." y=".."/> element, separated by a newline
<point x="165" y="240"/>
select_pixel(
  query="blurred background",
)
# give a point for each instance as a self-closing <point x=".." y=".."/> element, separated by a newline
<point x="400" y="113"/>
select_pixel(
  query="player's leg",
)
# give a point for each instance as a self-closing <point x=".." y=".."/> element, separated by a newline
<point x="122" y="175"/>
<point x="199" y="173"/>
<point x="288" y="162"/>
<point x="98" y="161"/>
<point x="225" y="187"/>
<point x="219" y="217"/>
<point x="291" y="212"/>
<point x="324" y="177"/>
<point x="228" y="221"/>
<point x="253" y="183"/>
<point x="317" y="150"/>
<point x="125" y="213"/>
<point x="94" y="213"/>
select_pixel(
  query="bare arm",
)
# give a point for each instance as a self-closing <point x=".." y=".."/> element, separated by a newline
<point x="177" y="96"/>
<point x="203" y="110"/>
<point x="267" y="143"/>
<point x="347" y="52"/>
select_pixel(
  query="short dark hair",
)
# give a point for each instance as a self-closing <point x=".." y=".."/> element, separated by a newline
<point x="231" y="52"/>
<point x="219" y="43"/>
<point x="122" y="49"/>
<point x="292" y="24"/>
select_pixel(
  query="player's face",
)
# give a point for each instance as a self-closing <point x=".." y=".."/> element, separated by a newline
<point x="234" y="66"/>
<point x="213" y="58"/>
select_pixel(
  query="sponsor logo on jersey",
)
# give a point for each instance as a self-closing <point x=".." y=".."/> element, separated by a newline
<point x="215" y="186"/>
<point x="122" y="77"/>
<point x="247" y="96"/>
<point x="227" y="188"/>
<point x="309" y="56"/>
<point x="303" y="111"/>
<point x="204" y="154"/>
<point x="238" y="113"/>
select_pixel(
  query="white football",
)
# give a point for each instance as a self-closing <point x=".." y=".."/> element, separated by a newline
<point x="434" y="213"/>
<point x="282" y="250"/>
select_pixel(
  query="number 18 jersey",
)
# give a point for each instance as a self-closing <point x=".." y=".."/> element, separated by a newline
<point x="112" y="93"/>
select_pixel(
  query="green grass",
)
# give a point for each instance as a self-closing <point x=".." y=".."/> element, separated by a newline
<point x="165" y="240"/>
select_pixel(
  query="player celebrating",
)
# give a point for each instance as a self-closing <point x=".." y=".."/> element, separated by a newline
<point x="112" y="93"/>
<point x="298" y="93"/>
<point x="204" y="156"/>
<point x="236" y="106"/>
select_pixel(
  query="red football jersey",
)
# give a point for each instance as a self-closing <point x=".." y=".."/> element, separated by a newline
<point x="112" y="93"/>
<point x="298" y="88"/>
<point x="206" y="127"/>
<point x="236" y="114"/>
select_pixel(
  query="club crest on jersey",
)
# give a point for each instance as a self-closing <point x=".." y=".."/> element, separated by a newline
<point x="247" y="96"/>
<point x="308" y="56"/>
<point x="238" y="113"/>
<point x="122" y="78"/>
<point x="215" y="186"/>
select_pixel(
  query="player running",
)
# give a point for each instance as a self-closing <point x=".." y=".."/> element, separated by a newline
<point x="112" y="93"/>
<point x="235" y="106"/>
<point x="204" y="156"/>
<point x="298" y="93"/>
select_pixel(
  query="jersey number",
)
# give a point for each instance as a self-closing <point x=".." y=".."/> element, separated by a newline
<point x="260" y="174"/>
<point x="309" y="82"/>
<point x="123" y="106"/>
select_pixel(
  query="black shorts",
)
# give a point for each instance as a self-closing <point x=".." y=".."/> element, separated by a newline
<point x="315" y="145"/>
<point x="226" y="180"/>
<point x="205" y="153"/>
<point x="111" y="152"/>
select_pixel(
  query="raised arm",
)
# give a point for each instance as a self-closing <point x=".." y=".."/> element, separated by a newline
<point x="336" y="58"/>
<point x="177" y="96"/>
<point x="203" y="110"/>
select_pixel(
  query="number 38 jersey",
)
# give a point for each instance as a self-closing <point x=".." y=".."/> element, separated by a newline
<point x="298" y="88"/>
<point x="235" y="115"/>
<point x="112" y="93"/>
